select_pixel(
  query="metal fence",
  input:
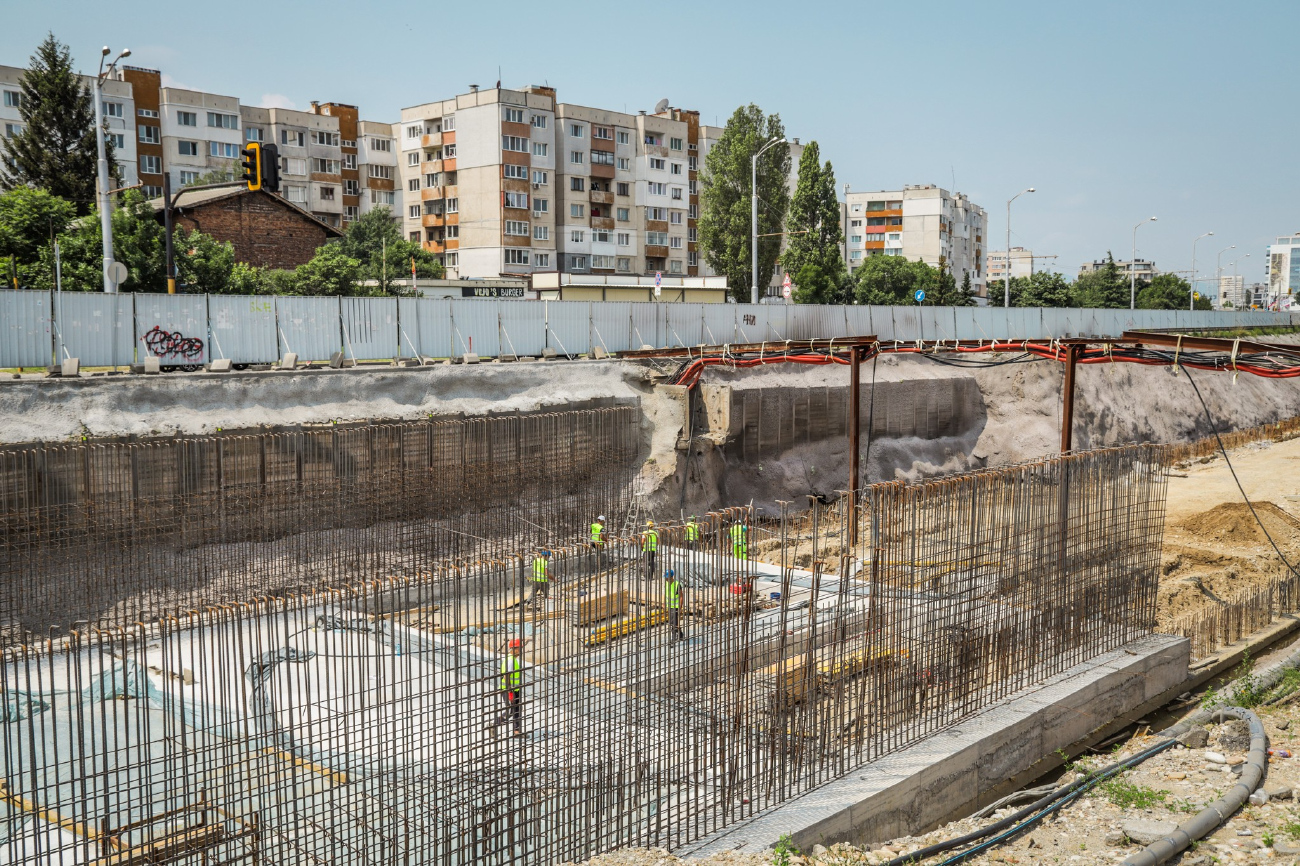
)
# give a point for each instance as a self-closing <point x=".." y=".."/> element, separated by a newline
<point x="185" y="330"/>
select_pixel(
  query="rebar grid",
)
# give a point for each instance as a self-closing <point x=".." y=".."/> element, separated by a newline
<point x="367" y="723"/>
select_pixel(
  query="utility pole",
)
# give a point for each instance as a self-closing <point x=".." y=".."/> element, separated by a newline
<point x="1007" y="276"/>
<point x="1132" y="266"/>
<point x="753" y="218"/>
<point x="103" y="193"/>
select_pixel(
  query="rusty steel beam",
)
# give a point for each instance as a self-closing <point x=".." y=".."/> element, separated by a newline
<point x="1067" y="398"/>
<point x="775" y="347"/>
<point x="1204" y="344"/>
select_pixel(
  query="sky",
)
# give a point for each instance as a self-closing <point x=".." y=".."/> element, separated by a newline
<point x="1113" y="111"/>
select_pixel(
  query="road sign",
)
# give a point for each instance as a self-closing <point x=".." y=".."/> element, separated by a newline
<point x="118" y="273"/>
<point x="785" y="287"/>
<point x="920" y="295"/>
<point x="658" y="279"/>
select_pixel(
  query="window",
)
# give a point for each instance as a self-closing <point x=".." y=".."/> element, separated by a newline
<point x="624" y="265"/>
<point x="602" y="157"/>
<point x="656" y="239"/>
<point x="118" y="139"/>
<point x="855" y="239"/>
<point x="381" y="145"/>
<point x="677" y="193"/>
<point x="188" y="177"/>
<point x="453" y="232"/>
<point x="381" y="171"/>
<point x="223" y="121"/>
<point x="112" y="109"/>
<point x="542" y="260"/>
<point x="692" y="212"/>
<point x="624" y="164"/>
<point x="606" y="262"/>
<point x="517" y="227"/>
<point x="351" y="213"/>
<point x="600" y="236"/>
<point x="894" y="236"/>
<point x="692" y="258"/>
<point x="894" y="221"/>
<point x="577" y="236"/>
<point x="296" y="194"/>
<point x="577" y="184"/>
<point x="657" y="188"/>
<point x="324" y="166"/>
<point x="350" y="164"/>
<point x="694" y="189"/>
<point x="541" y="233"/>
<point x="541" y="206"/>
<point x="12" y="129"/>
<point x="453" y="204"/>
<point x="656" y="213"/>
<point x="577" y="130"/>
<point x="449" y="151"/>
<point x="414" y="131"/>
<point x="658" y="164"/>
<point x="675" y="217"/>
<point x="676" y="168"/>
<point x="675" y="266"/>
<point x="856" y="224"/>
<point x="604" y="133"/>
<point x="150" y="134"/>
<point x="894" y="251"/>
<point x="329" y="139"/>
<point x="295" y="165"/>
<point x="327" y="193"/>
<point x="413" y="185"/>
<point x="875" y="238"/>
<point x="576" y="157"/>
<point x="516" y="257"/>
<point x="622" y="214"/>
<point x="382" y="196"/>
<point x="413" y="211"/>
<point x="518" y="172"/>
<point x="289" y="138"/>
<point x="517" y="200"/>
<point x="449" y="123"/>
<point x="691" y="163"/>
<point x="413" y="158"/>
<point x="514" y="143"/>
<point x="512" y="115"/>
<point x="875" y="205"/>
<point x="539" y="121"/>
<point x="674" y="144"/>
<point x="624" y="137"/>
<point x="351" y="187"/>
<point x="622" y="188"/>
<point x="452" y="258"/>
<point x="652" y="138"/>
<point x="223" y="150"/>
<point x="675" y="243"/>
<point x="541" y="178"/>
<point x="876" y="221"/>
<point x="624" y="239"/>
<point x="13" y="99"/>
<point x="692" y="234"/>
<point x="577" y="210"/>
<point x="187" y="148"/>
<point x="252" y="133"/>
<point x="540" y="149"/>
<point x="579" y="263"/>
<point x="152" y="191"/>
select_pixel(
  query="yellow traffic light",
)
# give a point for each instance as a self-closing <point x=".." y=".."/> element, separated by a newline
<point x="252" y="165"/>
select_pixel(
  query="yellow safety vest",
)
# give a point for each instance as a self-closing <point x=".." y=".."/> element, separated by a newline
<point x="596" y="530"/>
<point x="738" y="534"/>
<point x="650" y="541"/>
<point x="692" y="531"/>
<point x="673" y="591"/>
<point x="512" y="674"/>
<point x="539" y="569"/>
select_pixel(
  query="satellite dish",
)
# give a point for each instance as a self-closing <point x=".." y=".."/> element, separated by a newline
<point x="661" y="106"/>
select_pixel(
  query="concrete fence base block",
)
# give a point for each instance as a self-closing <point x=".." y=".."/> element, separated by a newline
<point x="548" y="354"/>
<point x="506" y="359"/>
<point x="470" y="358"/>
<point x="336" y="360"/>
<point x="289" y="361"/>
<point x="598" y="353"/>
<point x="152" y="365"/>
<point x="70" y="367"/>
<point x="221" y="365"/>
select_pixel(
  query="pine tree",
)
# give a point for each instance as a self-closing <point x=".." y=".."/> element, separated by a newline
<point x="56" y="149"/>
<point x="814" y="226"/>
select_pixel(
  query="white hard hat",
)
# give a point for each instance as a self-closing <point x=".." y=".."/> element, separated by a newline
<point x="602" y="517"/>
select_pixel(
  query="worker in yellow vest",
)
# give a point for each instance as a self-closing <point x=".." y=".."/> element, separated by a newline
<point x="541" y="579"/>
<point x="692" y="534"/>
<point x="597" y="540"/>
<point x="739" y="540"/>
<point x="673" y="601"/>
<point x="650" y="546"/>
<point x="511" y="688"/>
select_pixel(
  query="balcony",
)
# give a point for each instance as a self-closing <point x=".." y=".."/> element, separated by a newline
<point x="654" y="251"/>
<point x="605" y="172"/>
<point x="433" y="247"/>
<point x="429" y="193"/>
<point x="432" y="140"/>
<point x="432" y="220"/>
<point x="602" y="197"/>
<point x="602" y="223"/>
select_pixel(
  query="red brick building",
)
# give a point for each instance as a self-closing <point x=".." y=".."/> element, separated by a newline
<point x="264" y="229"/>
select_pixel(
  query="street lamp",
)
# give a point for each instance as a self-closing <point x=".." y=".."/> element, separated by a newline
<point x="1006" y="301"/>
<point x="1218" y="269"/>
<point x="105" y="211"/>
<point x="1132" y="266"/>
<point x="1234" y="278"/>
<point x="1191" y="293"/>
<point x="753" y="215"/>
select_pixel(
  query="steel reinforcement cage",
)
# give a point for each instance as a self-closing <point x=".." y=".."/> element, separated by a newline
<point x="375" y="722"/>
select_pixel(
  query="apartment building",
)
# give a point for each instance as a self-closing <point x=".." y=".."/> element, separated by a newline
<point x="201" y="133"/>
<point x="1022" y="264"/>
<point x="922" y="222"/>
<point x="1284" y="267"/>
<point x="377" y="167"/>
<point x="311" y="156"/>
<point x="1142" y="269"/>
<point x="119" y="109"/>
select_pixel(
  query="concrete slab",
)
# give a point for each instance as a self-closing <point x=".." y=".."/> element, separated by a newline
<point x="944" y="776"/>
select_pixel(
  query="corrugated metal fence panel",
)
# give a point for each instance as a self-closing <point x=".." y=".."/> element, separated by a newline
<point x="243" y="328"/>
<point x="719" y="321"/>
<point x="751" y="324"/>
<point x="943" y="323"/>
<point x="25" y="327"/>
<point x="97" y="329"/>
<point x="523" y="327"/>
<point x="645" y="326"/>
<point x="370" y="328"/>
<point x="779" y="322"/>
<point x="964" y="324"/>
<point x="568" y="326"/>
<point x="172" y="327"/>
<point x="857" y="323"/>
<point x="1055" y="323"/>
<point x="426" y="322"/>
<point x="609" y="325"/>
<point x="476" y="327"/>
<point x="309" y="327"/>
<point x="882" y="323"/>
<point x="907" y="323"/>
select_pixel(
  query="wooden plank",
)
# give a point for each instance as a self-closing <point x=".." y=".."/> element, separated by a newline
<point x="594" y="608"/>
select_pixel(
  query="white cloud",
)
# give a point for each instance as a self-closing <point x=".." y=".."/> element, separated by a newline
<point x="276" y="100"/>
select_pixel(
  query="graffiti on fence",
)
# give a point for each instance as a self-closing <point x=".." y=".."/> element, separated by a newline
<point x="173" y="344"/>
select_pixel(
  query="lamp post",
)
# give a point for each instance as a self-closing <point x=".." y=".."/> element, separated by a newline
<point x="1234" y="278"/>
<point x="105" y="210"/>
<point x="753" y="217"/>
<point x="1218" y="268"/>
<point x="1191" y="294"/>
<point x="1132" y="266"/>
<point x="1006" y="301"/>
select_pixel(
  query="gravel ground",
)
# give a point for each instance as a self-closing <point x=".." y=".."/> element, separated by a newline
<point x="1097" y="828"/>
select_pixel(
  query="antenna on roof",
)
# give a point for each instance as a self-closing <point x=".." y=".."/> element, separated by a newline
<point x="661" y="106"/>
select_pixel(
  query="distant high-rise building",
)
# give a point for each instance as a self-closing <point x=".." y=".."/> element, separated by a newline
<point x="1022" y="264"/>
<point x="1232" y="292"/>
<point x="1284" y="267"/>
<point x="1145" y="270"/>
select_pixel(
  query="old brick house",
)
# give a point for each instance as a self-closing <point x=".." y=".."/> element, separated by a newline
<point x="264" y="229"/>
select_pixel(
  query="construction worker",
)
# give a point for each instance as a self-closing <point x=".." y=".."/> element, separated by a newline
<point x="650" y="545"/>
<point x="673" y="601"/>
<point x="512" y="689"/>
<point x="541" y="579"/>
<point x="692" y="534"/>
<point x="597" y="540"/>
<point x="739" y="540"/>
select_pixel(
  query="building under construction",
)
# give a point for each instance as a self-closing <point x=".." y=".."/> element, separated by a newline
<point x="289" y="647"/>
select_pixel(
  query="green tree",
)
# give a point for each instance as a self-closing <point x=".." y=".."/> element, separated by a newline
<point x="56" y="149"/>
<point x="813" y="244"/>
<point x="1105" y="287"/>
<point x="376" y="241"/>
<point x="203" y="264"/>
<point x="946" y="292"/>
<point x="137" y="243"/>
<point x="1041" y="289"/>
<point x="28" y="219"/>
<point x="1168" y="292"/>
<point x="725" y="188"/>
<point x="893" y="280"/>
<point x="330" y="272"/>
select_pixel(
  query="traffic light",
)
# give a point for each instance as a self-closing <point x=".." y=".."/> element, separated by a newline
<point x="252" y="165"/>
<point x="270" y="168"/>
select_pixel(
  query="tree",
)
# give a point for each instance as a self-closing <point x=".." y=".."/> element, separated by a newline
<point x="945" y="292"/>
<point x="724" y="224"/>
<point x="330" y="272"/>
<point x="812" y="285"/>
<point x="385" y="256"/>
<point x="1104" y="288"/>
<point x="1041" y="289"/>
<point x="203" y="264"/>
<point x="1168" y="292"/>
<point x="28" y="219"/>
<point x="893" y="280"/>
<point x="814" y="226"/>
<point x="56" y="148"/>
